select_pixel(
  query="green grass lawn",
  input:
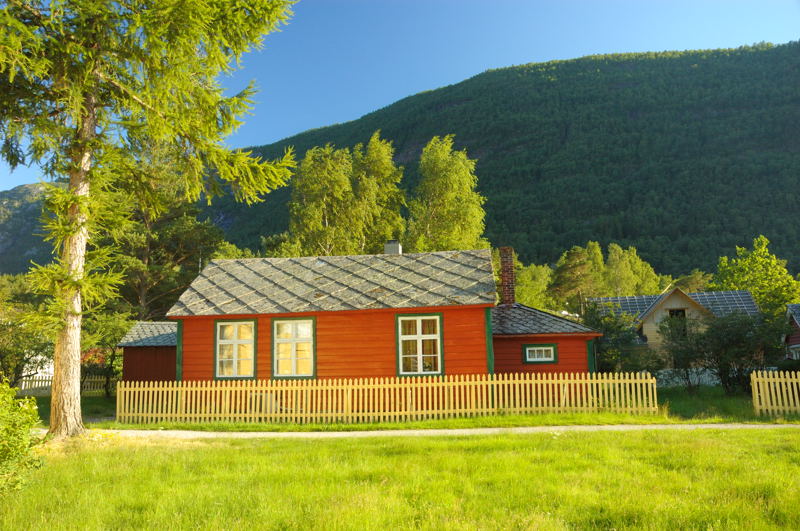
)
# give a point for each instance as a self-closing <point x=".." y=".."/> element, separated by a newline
<point x="713" y="479"/>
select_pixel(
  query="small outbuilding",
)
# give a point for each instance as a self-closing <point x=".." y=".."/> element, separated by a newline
<point x="148" y="351"/>
<point x="526" y="339"/>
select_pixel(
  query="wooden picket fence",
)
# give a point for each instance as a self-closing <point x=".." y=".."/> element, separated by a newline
<point x="384" y="399"/>
<point x="42" y="385"/>
<point x="776" y="392"/>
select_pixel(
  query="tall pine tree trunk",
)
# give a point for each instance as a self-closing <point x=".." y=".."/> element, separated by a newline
<point x="65" y="414"/>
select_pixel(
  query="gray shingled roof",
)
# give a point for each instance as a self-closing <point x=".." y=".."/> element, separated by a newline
<point x="508" y="319"/>
<point x="335" y="283"/>
<point x="151" y="334"/>
<point x="634" y="305"/>
<point x="720" y="303"/>
<point x="794" y="311"/>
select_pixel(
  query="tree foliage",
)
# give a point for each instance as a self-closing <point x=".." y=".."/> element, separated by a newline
<point x="349" y="202"/>
<point x="532" y="286"/>
<point x="344" y="202"/>
<point x="730" y="346"/>
<point x="446" y="212"/>
<point x="24" y="347"/>
<point x="162" y="255"/>
<point x="760" y="272"/>
<point x="617" y="349"/>
<point x="376" y="184"/>
<point x="737" y="344"/>
<point x="532" y="282"/>
<point x="693" y="282"/>
<point x="682" y="348"/>
<point x="17" y="419"/>
<point x="583" y="272"/>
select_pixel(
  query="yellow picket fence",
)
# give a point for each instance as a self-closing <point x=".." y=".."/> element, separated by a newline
<point x="384" y="399"/>
<point x="776" y="392"/>
<point x="42" y="385"/>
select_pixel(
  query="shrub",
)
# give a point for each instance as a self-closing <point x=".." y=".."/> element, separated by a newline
<point x="17" y="417"/>
<point x="731" y="346"/>
<point x="619" y="349"/>
<point x="788" y="365"/>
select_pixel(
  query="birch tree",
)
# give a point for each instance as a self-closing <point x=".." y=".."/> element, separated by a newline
<point x="345" y="201"/>
<point x="447" y="210"/>
<point x="79" y="80"/>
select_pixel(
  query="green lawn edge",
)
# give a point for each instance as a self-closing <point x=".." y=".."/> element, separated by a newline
<point x="709" y="405"/>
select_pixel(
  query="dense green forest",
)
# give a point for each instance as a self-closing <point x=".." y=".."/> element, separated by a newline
<point x="682" y="154"/>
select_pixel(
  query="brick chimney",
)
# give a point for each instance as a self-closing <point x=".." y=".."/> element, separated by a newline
<point x="507" y="283"/>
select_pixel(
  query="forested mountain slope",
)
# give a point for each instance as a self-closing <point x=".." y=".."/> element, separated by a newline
<point x="682" y="154"/>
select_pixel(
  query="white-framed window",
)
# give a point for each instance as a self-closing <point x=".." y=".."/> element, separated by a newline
<point x="419" y="339"/>
<point x="235" y="349"/>
<point x="794" y="352"/>
<point x="293" y="348"/>
<point x="539" y="353"/>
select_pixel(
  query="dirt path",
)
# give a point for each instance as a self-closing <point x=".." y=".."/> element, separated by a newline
<point x="460" y="432"/>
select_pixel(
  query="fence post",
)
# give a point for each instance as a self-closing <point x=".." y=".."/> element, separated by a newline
<point x="754" y="391"/>
<point x="348" y="402"/>
<point x="119" y="397"/>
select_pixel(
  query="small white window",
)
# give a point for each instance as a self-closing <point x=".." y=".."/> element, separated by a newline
<point x="235" y="349"/>
<point x="419" y="344"/>
<point x="540" y="353"/>
<point x="794" y="352"/>
<point x="293" y="348"/>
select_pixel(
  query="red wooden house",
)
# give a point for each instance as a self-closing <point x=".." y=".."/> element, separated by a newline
<point x="383" y="315"/>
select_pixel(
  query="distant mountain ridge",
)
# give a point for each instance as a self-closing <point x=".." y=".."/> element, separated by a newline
<point x="20" y="229"/>
<point x="681" y="154"/>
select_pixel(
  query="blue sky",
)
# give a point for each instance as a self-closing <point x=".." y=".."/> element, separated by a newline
<point x="340" y="59"/>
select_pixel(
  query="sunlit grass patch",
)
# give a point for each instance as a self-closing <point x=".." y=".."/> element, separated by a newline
<point x="714" y="478"/>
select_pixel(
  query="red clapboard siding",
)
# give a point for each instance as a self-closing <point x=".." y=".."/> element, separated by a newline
<point x="794" y="337"/>
<point x="146" y="364"/>
<point x="572" y="354"/>
<point x="350" y="344"/>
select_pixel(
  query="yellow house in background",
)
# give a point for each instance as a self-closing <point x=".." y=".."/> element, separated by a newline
<point x="650" y="310"/>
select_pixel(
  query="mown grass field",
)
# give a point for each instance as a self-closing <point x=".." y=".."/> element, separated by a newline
<point x="711" y="479"/>
<point x="709" y="404"/>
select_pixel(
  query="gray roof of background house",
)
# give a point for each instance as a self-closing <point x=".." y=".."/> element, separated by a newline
<point x="720" y="303"/>
<point x="518" y="319"/>
<point x="335" y="283"/>
<point x="794" y="311"/>
<point x="151" y="334"/>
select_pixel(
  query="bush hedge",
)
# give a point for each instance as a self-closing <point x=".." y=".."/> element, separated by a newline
<point x="17" y="417"/>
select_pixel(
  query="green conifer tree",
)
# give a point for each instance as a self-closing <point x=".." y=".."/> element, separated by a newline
<point x="78" y="80"/>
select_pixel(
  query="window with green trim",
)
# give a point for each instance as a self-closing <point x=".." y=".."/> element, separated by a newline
<point x="293" y="348"/>
<point x="419" y="344"/>
<point x="235" y="349"/>
<point x="539" y="353"/>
